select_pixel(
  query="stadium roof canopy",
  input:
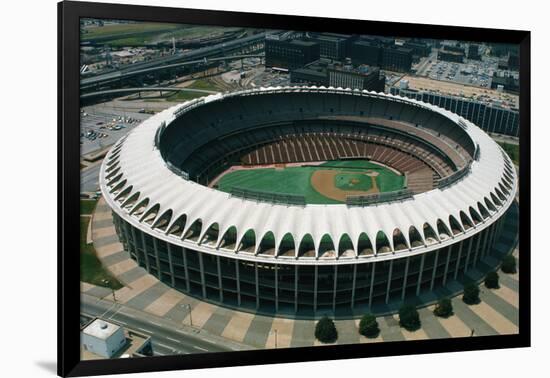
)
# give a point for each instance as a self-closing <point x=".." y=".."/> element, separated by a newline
<point x="134" y="174"/>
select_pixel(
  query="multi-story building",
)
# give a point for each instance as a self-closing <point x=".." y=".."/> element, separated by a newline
<point x="335" y="74"/>
<point x="396" y="59"/>
<point x="473" y="52"/>
<point x="365" y="52"/>
<point x="490" y="118"/>
<point x="290" y="53"/>
<point x="331" y="46"/>
<point x="450" y="56"/>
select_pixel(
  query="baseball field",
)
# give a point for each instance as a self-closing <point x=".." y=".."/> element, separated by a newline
<point x="326" y="183"/>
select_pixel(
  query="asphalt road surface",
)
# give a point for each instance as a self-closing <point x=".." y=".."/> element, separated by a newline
<point x="89" y="179"/>
<point x="165" y="337"/>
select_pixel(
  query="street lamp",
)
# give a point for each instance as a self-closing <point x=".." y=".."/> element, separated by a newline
<point x="188" y="306"/>
<point x="107" y="282"/>
<point x="275" y="332"/>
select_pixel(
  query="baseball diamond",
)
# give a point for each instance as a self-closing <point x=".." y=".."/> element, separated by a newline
<point x="307" y="199"/>
<point x="321" y="183"/>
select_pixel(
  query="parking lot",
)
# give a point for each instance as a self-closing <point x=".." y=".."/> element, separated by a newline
<point x="472" y="72"/>
<point x="102" y="126"/>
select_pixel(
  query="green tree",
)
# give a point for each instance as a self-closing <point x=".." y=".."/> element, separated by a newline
<point x="509" y="264"/>
<point x="368" y="326"/>
<point x="471" y="293"/>
<point x="325" y="330"/>
<point x="409" y="318"/>
<point x="491" y="280"/>
<point x="444" y="308"/>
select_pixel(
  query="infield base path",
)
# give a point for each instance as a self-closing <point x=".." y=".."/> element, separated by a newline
<point x="323" y="182"/>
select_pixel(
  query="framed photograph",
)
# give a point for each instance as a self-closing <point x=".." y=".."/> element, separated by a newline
<point x="254" y="189"/>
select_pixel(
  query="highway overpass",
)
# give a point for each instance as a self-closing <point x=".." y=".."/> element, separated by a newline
<point x="189" y="57"/>
<point x="122" y="91"/>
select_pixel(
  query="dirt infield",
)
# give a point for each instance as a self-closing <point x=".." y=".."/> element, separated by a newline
<point x="323" y="181"/>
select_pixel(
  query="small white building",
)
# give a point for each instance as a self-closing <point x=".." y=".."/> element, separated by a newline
<point x="103" y="338"/>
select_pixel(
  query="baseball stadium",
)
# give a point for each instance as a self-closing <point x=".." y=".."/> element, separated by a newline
<point x="307" y="199"/>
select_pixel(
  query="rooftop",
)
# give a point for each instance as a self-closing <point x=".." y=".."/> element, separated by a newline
<point x="100" y="329"/>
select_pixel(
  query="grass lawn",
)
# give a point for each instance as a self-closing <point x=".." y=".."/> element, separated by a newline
<point x="141" y="33"/>
<point x="203" y="84"/>
<point x="296" y="180"/>
<point x="512" y="150"/>
<point x="87" y="206"/>
<point x="119" y="30"/>
<point x="91" y="269"/>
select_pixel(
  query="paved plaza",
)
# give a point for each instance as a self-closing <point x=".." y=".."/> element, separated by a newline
<point x="497" y="313"/>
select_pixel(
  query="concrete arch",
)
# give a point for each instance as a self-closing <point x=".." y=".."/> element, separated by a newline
<point x="114" y="155"/>
<point x="118" y="186"/>
<point x="111" y="167"/>
<point x="364" y="245"/>
<point x="247" y="241"/>
<point x="430" y="236"/>
<point x="113" y="159"/>
<point x="287" y="246"/>
<point x="325" y="247"/>
<point x="508" y="178"/>
<point x="266" y="244"/>
<point x="382" y="243"/>
<point x="399" y="240"/>
<point x="506" y="184"/>
<point x="163" y="221"/>
<point x="306" y="247"/>
<point x="500" y="195"/>
<point x="442" y="230"/>
<point x="150" y="214"/>
<point x="489" y="204"/>
<point x="193" y="231"/>
<point x="345" y="246"/>
<point x="130" y="201"/>
<point x="177" y="227"/>
<point x="483" y="210"/>
<point x="456" y="226"/>
<point x="140" y="207"/>
<point x="121" y="197"/>
<point x="210" y="234"/>
<point x="467" y="223"/>
<point x="228" y="240"/>
<point x="114" y="180"/>
<point x="415" y="239"/>
<point x="495" y="200"/>
<point x="113" y="173"/>
<point x="474" y="215"/>
<point x="504" y="189"/>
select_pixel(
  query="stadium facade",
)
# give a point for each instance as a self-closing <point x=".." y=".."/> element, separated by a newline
<point x="261" y="250"/>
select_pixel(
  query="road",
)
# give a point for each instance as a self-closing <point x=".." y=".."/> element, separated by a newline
<point x="166" y="337"/>
<point x="89" y="179"/>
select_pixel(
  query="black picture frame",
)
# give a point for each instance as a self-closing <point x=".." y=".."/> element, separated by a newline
<point x="70" y="12"/>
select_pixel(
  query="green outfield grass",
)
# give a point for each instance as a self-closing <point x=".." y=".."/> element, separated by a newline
<point x="296" y="180"/>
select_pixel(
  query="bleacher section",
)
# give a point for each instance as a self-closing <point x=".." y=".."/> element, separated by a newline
<point x="270" y="197"/>
<point x="372" y="199"/>
<point x="292" y="126"/>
